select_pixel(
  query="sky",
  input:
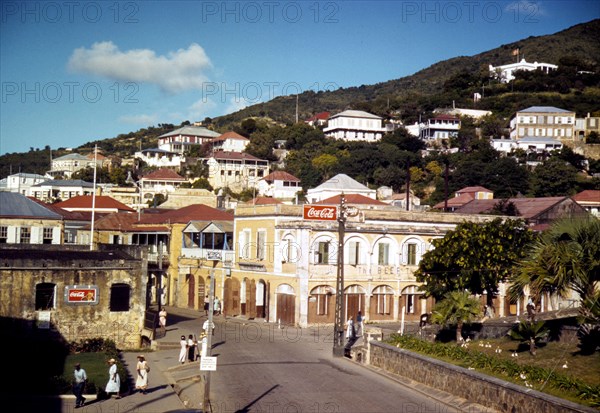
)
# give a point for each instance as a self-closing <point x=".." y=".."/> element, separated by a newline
<point x="74" y="71"/>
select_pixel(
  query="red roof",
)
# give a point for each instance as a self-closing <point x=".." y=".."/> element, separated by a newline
<point x="263" y="200"/>
<point x="318" y="116"/>
<point x="357" y="199"/>
<point x="280" y="176"/>
<point x="85" y="202"/>
<point x="163" y="174"/>
<point x="457" y="201"/>
<point x="446" y="117"/>
<point x="472" y="189"/>
<point x="195" y="212"/>
<point x="588" y="196"/>
<point x="230" y="135"/>
<point x="125" y="222"/>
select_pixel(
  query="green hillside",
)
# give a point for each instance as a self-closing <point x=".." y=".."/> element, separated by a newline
<point x="579" y="43"/>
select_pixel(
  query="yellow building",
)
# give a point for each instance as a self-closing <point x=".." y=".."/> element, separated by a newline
<point x="286" y="265"/>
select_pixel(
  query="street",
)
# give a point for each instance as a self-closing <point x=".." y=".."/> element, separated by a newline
<point x="264" y="368"/>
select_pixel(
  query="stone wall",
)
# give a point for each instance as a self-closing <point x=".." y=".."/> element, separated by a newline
<point x="24" y="268"/>
<point x="472" y="386"/>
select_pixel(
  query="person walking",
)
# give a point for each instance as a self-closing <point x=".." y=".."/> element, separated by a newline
<point x="183" y="350"/>
<point x="141" y="383"/>
<point x="162" y="320"/>
<point x="114" y="381"/>
<point x="205" y="327"/>
<point x="350" y="331"/>
<point x="217" y="306"/>
<point x="191" y="348"/>
<point x="80" y="379"/>
<point x="206" y="305"/>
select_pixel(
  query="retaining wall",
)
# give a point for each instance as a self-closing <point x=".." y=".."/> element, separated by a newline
<point x="470" y="385"/>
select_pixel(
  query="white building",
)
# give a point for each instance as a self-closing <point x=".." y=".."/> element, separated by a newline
<point x="543" y="122"/>
<point x="230" y="142"/>
<point x="440" y="127"/>
<point x="235" y="170"/>
<point x="180" y="140"/>
<point x="527" y="143"/>
<point x="355" y="125"/>
<point x="21" y="182"/>
<point x="68" y="164"/>
<point x="160" y="158"/>
<point x="60" y="189"/>
<point x="280" y="185"/>
<point x="339" y="184"/>
<point x="506" y="73"/>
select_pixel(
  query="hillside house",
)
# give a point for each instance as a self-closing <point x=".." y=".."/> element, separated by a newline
<point x="543" y="122"/>
<point x="281" y="185"/>
<point x="506" y="73"/>
<point x="355" y="125"/>
<point x="339" y="184"/>
<point x="180" y="140"/>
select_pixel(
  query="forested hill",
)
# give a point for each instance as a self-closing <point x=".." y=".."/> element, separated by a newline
<point x="578" y="43"/>
<point x="454" y="80"/>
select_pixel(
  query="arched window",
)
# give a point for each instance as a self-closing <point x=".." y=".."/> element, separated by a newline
<point x="384" y="299"/>
<point x="322" y="294"/>
<point x="119" y="297"/>
<point x="45" y="296"/>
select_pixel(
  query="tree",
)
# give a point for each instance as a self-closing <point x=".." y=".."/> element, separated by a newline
<point x="530" y="332"/>
<point x="325" y="164"/>
<point x="566" y="257"/>
<point x="474" y="257"/>
<point x="457" y="308"/>
<point x="554" y="177"/>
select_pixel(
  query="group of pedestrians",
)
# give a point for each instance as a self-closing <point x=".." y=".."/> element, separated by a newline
<point x="113" y="386"/>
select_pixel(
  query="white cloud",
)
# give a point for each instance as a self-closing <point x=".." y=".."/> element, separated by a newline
<point x="138" y="119"/>
<point x="175" y="72"/>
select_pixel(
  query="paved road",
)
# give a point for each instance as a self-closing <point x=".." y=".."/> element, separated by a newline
<point x="262" y="368"/>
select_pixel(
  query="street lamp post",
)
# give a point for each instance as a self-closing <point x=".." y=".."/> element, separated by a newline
<point x="130" y="180"/>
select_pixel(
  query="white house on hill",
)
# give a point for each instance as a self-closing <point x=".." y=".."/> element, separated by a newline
<point x="506" y="73"/>
<point x="355" y="125"/>
<point x="182" y="139"/>
<point x="279" y="184"/>
<point x="339" y="184"/>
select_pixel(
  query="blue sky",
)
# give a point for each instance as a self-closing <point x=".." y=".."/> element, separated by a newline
<point x="76" y="71"/>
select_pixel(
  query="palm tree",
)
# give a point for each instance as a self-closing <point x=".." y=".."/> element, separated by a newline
<point x="564" y="258"/>
<point x="530" y="332"/>
<point x="457" y="307"/>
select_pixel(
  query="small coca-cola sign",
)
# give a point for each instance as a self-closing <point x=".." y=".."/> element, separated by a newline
<point x="81" y="295"/>
<point x="320" y="212"/>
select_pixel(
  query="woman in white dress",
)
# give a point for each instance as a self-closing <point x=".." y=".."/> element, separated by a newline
<point x="114" y="381"/>
<point x="141" y="383"/>
<point x="183" y="351"/>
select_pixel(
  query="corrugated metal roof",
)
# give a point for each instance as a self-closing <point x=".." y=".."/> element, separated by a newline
<point x="65" y="182"/>
<point x="341" y="182"/>
<point x="544" y="109"/>
<point x="192" y="131"/>
<point x="13" y="204"/>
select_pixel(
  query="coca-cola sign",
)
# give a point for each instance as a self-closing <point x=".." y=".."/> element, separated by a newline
<point x="81" y="295"/>
<point x="320" y="212"/>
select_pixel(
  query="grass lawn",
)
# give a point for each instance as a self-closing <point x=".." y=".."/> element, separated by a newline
<point x="96" y="368"/>
<point x="553" y="356"/>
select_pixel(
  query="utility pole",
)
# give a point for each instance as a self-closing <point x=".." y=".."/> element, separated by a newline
<point x="211" y="297"/>
<point x="338" y="332"/>
<point x="160" y="274"/>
